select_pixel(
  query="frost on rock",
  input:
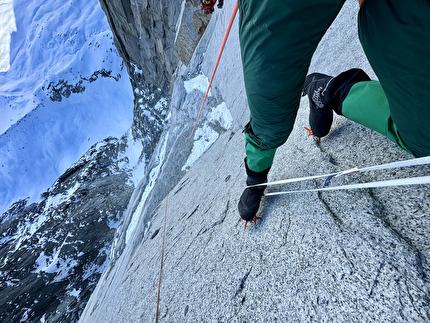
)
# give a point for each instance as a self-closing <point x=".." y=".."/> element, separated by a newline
<point x="200" y="83"/>
<point x="151" y="105"/>
<point x="152" y="178"/>
<point x="204" y="137"/>
<point x="208" y="133"/>
<point x="221" y="115"/>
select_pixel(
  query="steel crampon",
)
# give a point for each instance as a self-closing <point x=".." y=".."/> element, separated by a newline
<point x="253" y="220"/>
<point x="311" y="133"/>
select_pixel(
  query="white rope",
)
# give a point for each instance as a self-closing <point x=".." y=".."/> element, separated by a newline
<point x="398" y="164"/>
<point x="393" y="182"/>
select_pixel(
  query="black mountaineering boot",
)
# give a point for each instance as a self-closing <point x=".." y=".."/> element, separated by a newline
<point x="326" y="94"/>
<point x="321" y="112"/>
<point x="249" y="202"/>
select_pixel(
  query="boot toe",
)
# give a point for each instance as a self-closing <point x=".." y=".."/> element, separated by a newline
<point x="249" y="203"/>
<point x="320" y="121"/>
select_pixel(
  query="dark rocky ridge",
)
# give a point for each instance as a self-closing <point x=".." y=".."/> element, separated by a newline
<point x="53" y="252"/>
<point x="56" y="91"/>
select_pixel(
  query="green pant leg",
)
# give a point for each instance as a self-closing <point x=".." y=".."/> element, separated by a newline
<point x="395" y="35"/>
<point x="258" y="159"/>
<point x="277" y="40"/>
<point x="367" y="104"/>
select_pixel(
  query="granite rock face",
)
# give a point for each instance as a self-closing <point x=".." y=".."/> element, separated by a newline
<point x="359" y="255"/>
<point x="153" y="35"/>
<point x="144" y="32"/>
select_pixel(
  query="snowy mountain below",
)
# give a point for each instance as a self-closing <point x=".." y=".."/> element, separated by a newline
<point x="65" y="90"/>
<point x="68" y="159"/>
<point x="53" y="252"/>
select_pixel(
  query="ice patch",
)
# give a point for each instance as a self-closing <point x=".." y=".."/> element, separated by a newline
<point x="222" y="115"/>
<point x="113" y="221"/>
<point x="74" y="292"/>
<point x="161" y="104"/>
<point x="23" y="233"/>
<point x="54" y="201"/>
<point x="55" y="264"/>
<point x="153" y="175"/>
<point x="200" y="82"/>
<point x="136" y="162"/>
<point x="91" y="269"/>
<point x="137" y="70"/>
<point x="204" y="137"/>
<point x="24" y="317"/>
<point x="7" y="27"/>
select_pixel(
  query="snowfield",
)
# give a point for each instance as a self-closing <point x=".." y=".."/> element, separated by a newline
<point x="65" y="89"/>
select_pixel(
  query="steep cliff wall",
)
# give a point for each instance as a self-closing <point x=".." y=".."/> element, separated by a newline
<point x="157" y="40"/>
<point x="154" y="37"/>
<point x="144" y="32"/>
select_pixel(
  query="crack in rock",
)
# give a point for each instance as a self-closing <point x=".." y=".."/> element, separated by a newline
<point x="242" y="283"/>
<point x="191" y="214"/>
<point x="285" y="234"/>
<point x="223" y="216"/>
<point x="336" y="219"/>
<point x="381" y="213"/>
<point x="375" y="281"/>
<point x="182" y="185"/>
<point x="155" y="234"/>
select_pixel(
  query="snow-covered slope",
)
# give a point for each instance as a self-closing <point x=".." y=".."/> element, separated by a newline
<point x="65" y="90"/>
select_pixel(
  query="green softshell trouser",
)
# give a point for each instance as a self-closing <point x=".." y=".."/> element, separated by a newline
<point x="278" y="39"/>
